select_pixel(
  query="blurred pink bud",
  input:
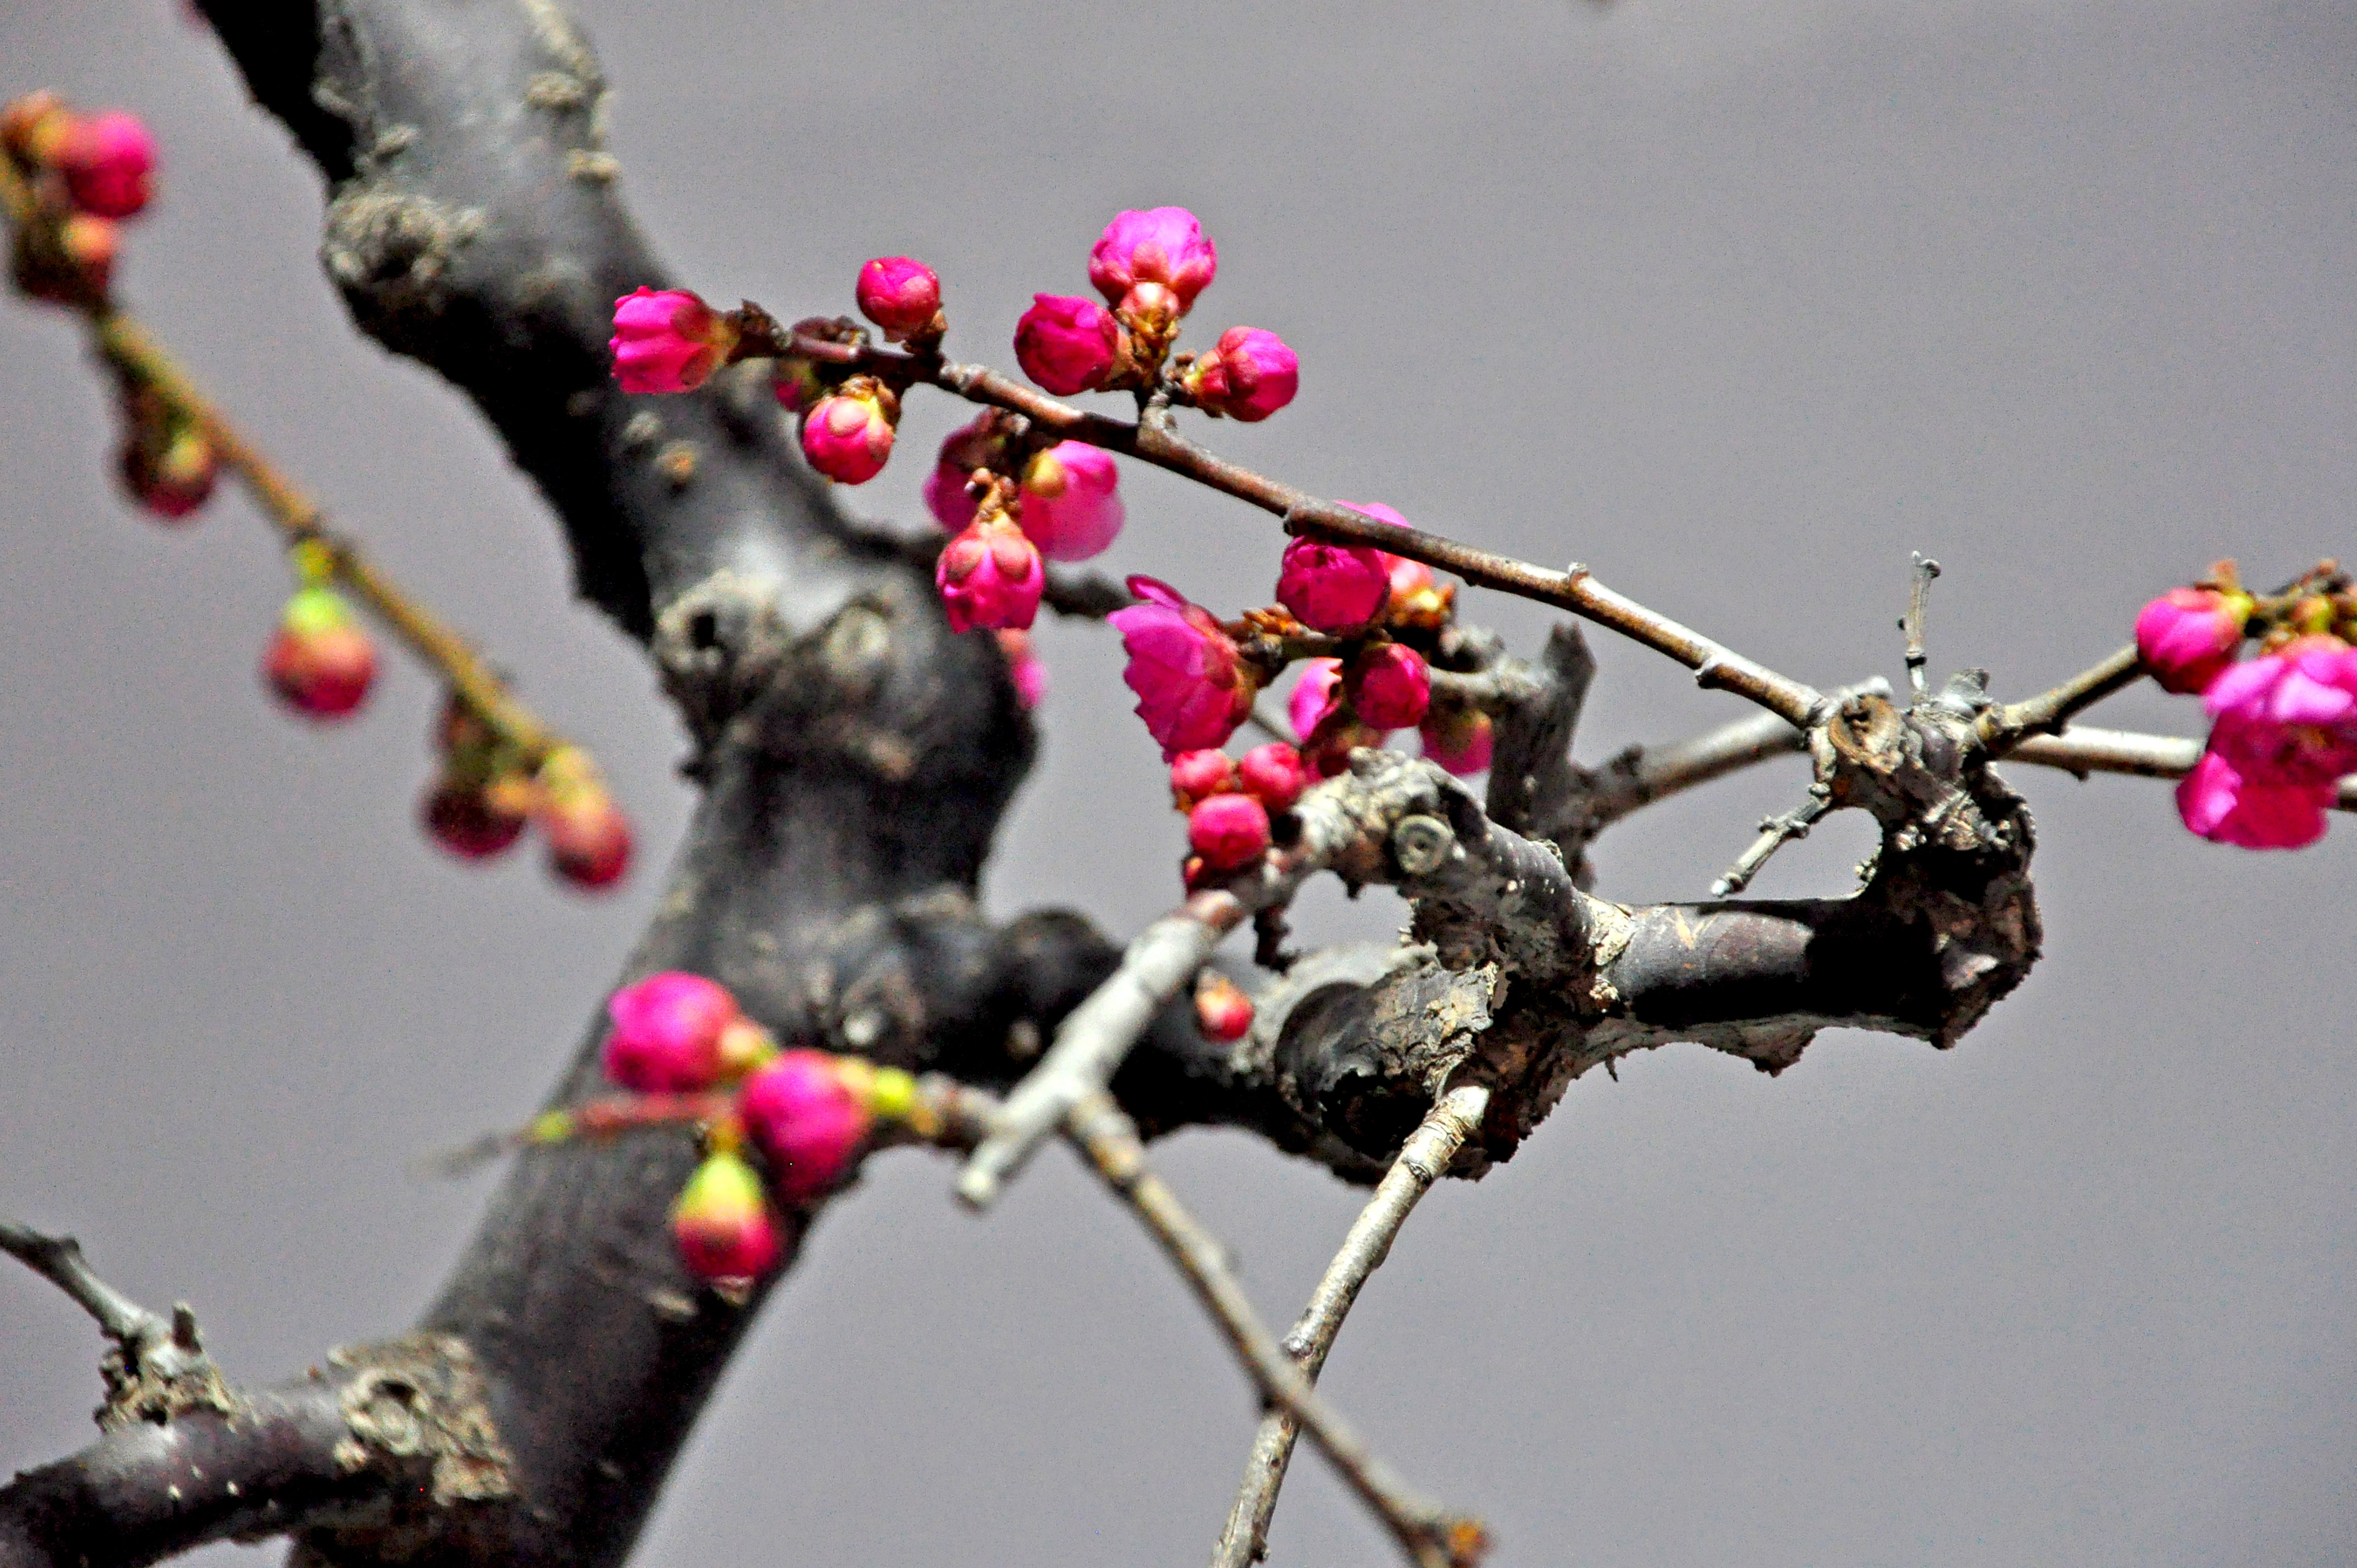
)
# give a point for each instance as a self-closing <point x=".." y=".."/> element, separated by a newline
<point x="848" y="436"/>
<point x="108" y="161"/>
<point x="588" y="837"/>
<point x="1067" y="345"/>
<point x="797" y="384"/>
<point x="1071" y="502"/>
<point x="722" y="1223"/>
<point x="1249" y="376"/>
<point x="1228" y="830"/>
<point x="2289" y="717"/>
<point x="1164" y="245"/>
<point x="1197" y="775"/>
<point x="1389" y="687"/>
<point x="1222" y="1009"/>
<point x="990" y="576"/>
<point x="1461" y="741"/>
<point x="1193" y="688"/>
<point x="900" y="295"/>
<point x="1333" y="587"/>
<point x="666" y="1035"/>
<point x="1315" y="694"/>
<point x="667" y="341"/>
<point x="470" y="821"/>
<point x="1023" y="666"/>
<point x="170" y="470"/>
<point x="805" y="1119"/>
<point x="946" y="498"/>
<point x="1274" y="775"/>
<point x="321" y="661"/>
<point x="2219" y="805"/>
<point x="2188" y="637"/>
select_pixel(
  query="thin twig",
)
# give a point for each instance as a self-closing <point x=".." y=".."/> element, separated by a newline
<point x="1775" y="833"/>
<point x="2084" y="750"/>
<point x="1431" y="1537"/>
<point x="1422" y="1159"/>
<point x="2002" y="728"/>
<point x="58" y="1259"/>
<point x="1643" y="775"/>
<point x="1919" y="593"/>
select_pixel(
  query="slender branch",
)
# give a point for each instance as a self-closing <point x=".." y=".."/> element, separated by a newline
<point x="1431" y="1537"/>
<point x="1775" y="833"/>
<point x="1918" y="595"/>
<point x="158" y="1368"/>
<point x="1422" y="1159"/>
<point x="2002" y="728"/>
<point x="1644" y="774"/>
<point x="58" y="1259"/>
<point x="2083" y="750"/>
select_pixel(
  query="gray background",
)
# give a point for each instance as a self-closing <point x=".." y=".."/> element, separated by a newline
<point x="1738" y="301"/>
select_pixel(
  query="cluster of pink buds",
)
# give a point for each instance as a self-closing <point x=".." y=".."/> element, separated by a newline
<point x="682" y="1043"/>
<point x="2283" y="728"/>
<point x="86" y="174"/>
<point x="485" y="796"/>
<point x="1233" y="807"/>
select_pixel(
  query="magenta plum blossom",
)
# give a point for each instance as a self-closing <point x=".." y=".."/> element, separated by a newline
<point x="2188" y="637"/>
<point x="1249" y="376"/>
<point x="1274" y="775"/>
<point x="1071" y="502"/>
<point x="1460" y="743"/>
<point x="1333" y="587"/>
<point x="722" y="1223"/>
<point x="2218" y="803"/>
<point x="848" y="436"/>
<point x="990" y="576"/>
<point x="1315" y="696"/>
<point x="2289" y="717"/>
<point x="666" y="1035"/>
<point x="1163" y="249"/>
<point x="900" y="295"/>
<point x="108" y="161"/>
<point x="1389" y="687"/>
<point x="805" y="1120"/>
<point x="1228" y="830"/>
<point x="1067" y="345"/>
<point x="1196" y="776"/>
<point x="667" y="341"/>
<point x="946" y="498"/>
<point x="1193" y="688"/>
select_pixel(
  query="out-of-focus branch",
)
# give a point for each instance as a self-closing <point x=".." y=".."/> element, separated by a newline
<point x="1431" y="1537"/>
<point x="1422" y="1159"/>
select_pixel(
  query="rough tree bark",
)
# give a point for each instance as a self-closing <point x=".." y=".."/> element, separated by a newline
<point x="855" y="757"/>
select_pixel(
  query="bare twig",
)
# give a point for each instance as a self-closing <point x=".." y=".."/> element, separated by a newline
<point x="58" y="1259"/>
<point x="1919" y="593"/>
<point x="1422" y="1159"/>
<point x="1431" y="1537"/>
<point x="159" y="1366"/>
<point x="2002" y="728"/>
<point x="2084" y="750"/>
<point x="1641" y="775"/>
<point x="1775" y="833"/>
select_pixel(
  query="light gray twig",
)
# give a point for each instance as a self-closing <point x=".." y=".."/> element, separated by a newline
<point x="158" y="1367"/>
<point x="1422" y="1159"/>
<point x="1775" y="833"/>
<point x="1643" y="775"/>
<point x="2084" y="750"/>
<point x="58" y="1259"/>
<point x="1430" y="1536"/>
<point x="1918" y="595"/>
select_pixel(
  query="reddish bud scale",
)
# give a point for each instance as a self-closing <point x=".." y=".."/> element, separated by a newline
<point x="321" y="661"/>
<point x="171" y="471"/>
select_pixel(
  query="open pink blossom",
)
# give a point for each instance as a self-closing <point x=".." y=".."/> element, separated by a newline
<point x="1197" y="775"/>
<point x="848" y="436"/>
<point x="666" y="1035"/>
<point x="805" y="1119"/>
<point x="1071" y="502"/>
<point x="1461" y="741"/>
<point x="900" y="295"/>
<point x="1248" y="376"/>
<point x="722" y="1223"/>
<point x="1159" y="245"/>
<point x="108" y="161"/>
<point x="1274" y="775"/>
<point x="2289" y="717"/>
<point x="1067" y="345"/>
<point x="1315" y="696"/>
<point x="1390" y="686"/>
<point x="1333" y="587"/>
<point x="1193" y="687"/>
<point x="667" y="341"/>
<point x="2218" y="803"/>
<point x="990" y="576"/>
<point x="2188" y="637"/>
<point x="1228" y="830"/>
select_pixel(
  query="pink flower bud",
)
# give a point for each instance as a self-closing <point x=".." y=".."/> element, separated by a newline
<point x="1228" y="830"/>
<point x="797" y="384"/>
<point x="2219" y="805"/>
<point x="1162" y="245"/>
<point x="805" y="1120"/>
<point x="722" y="1222"/>
<point x="170" y="468"/>
<point x="2188" y="637"/>
<point x="470" y="822"/>
<point x="980" y="443"/>
<point x="900" y="295"/>
<point x="1274" y="774"/>
<point x="1071" y="504"/>
<point x="1193" y="687"/>
<point x="108" y="160"/>
<point x="1315" y="696"/>
<point x="1023" y="666"/>
<point x="990" y="576"/>
<point x="1333" y="587"/>
<point x="667" y="340"/>
<point x="946" y="498"/>
<point x="2289" y="717"/>
<point x="1249" y="376"/>
<point x="1390" y="686"/>
<point x="321" y="662"/>
<point x="666" y="1035"/>
<point x="1197" y="775"/>
<point x="1222" y="1009"/>
<point x="1067" y="345"/>
<point x="1459" y="741"/>
<point x="588" y="837"/>
<point x="848" y="436"/>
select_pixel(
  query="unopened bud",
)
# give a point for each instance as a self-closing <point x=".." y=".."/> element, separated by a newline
<point x="1197" y="775"/>
<point x="722" y="1222"/>
<point x="1068" y="344"/>
<point x="903" y="297"/>
<point x="108" y="161"/>
<point x="321" y="661"/>
<point x="805" y="1119"/>
<point x="1390" y="686"/>
<point x="1228" y="830"/>
<point x="1274" y="774"/>
<point x="667" y="340"/>
<point x="848" y="436"/>
<point x="990" y="576"/>
<point x="1222" y="1009"/>
<point x="470" y="820"/>
<point x="666" y="1035"/>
